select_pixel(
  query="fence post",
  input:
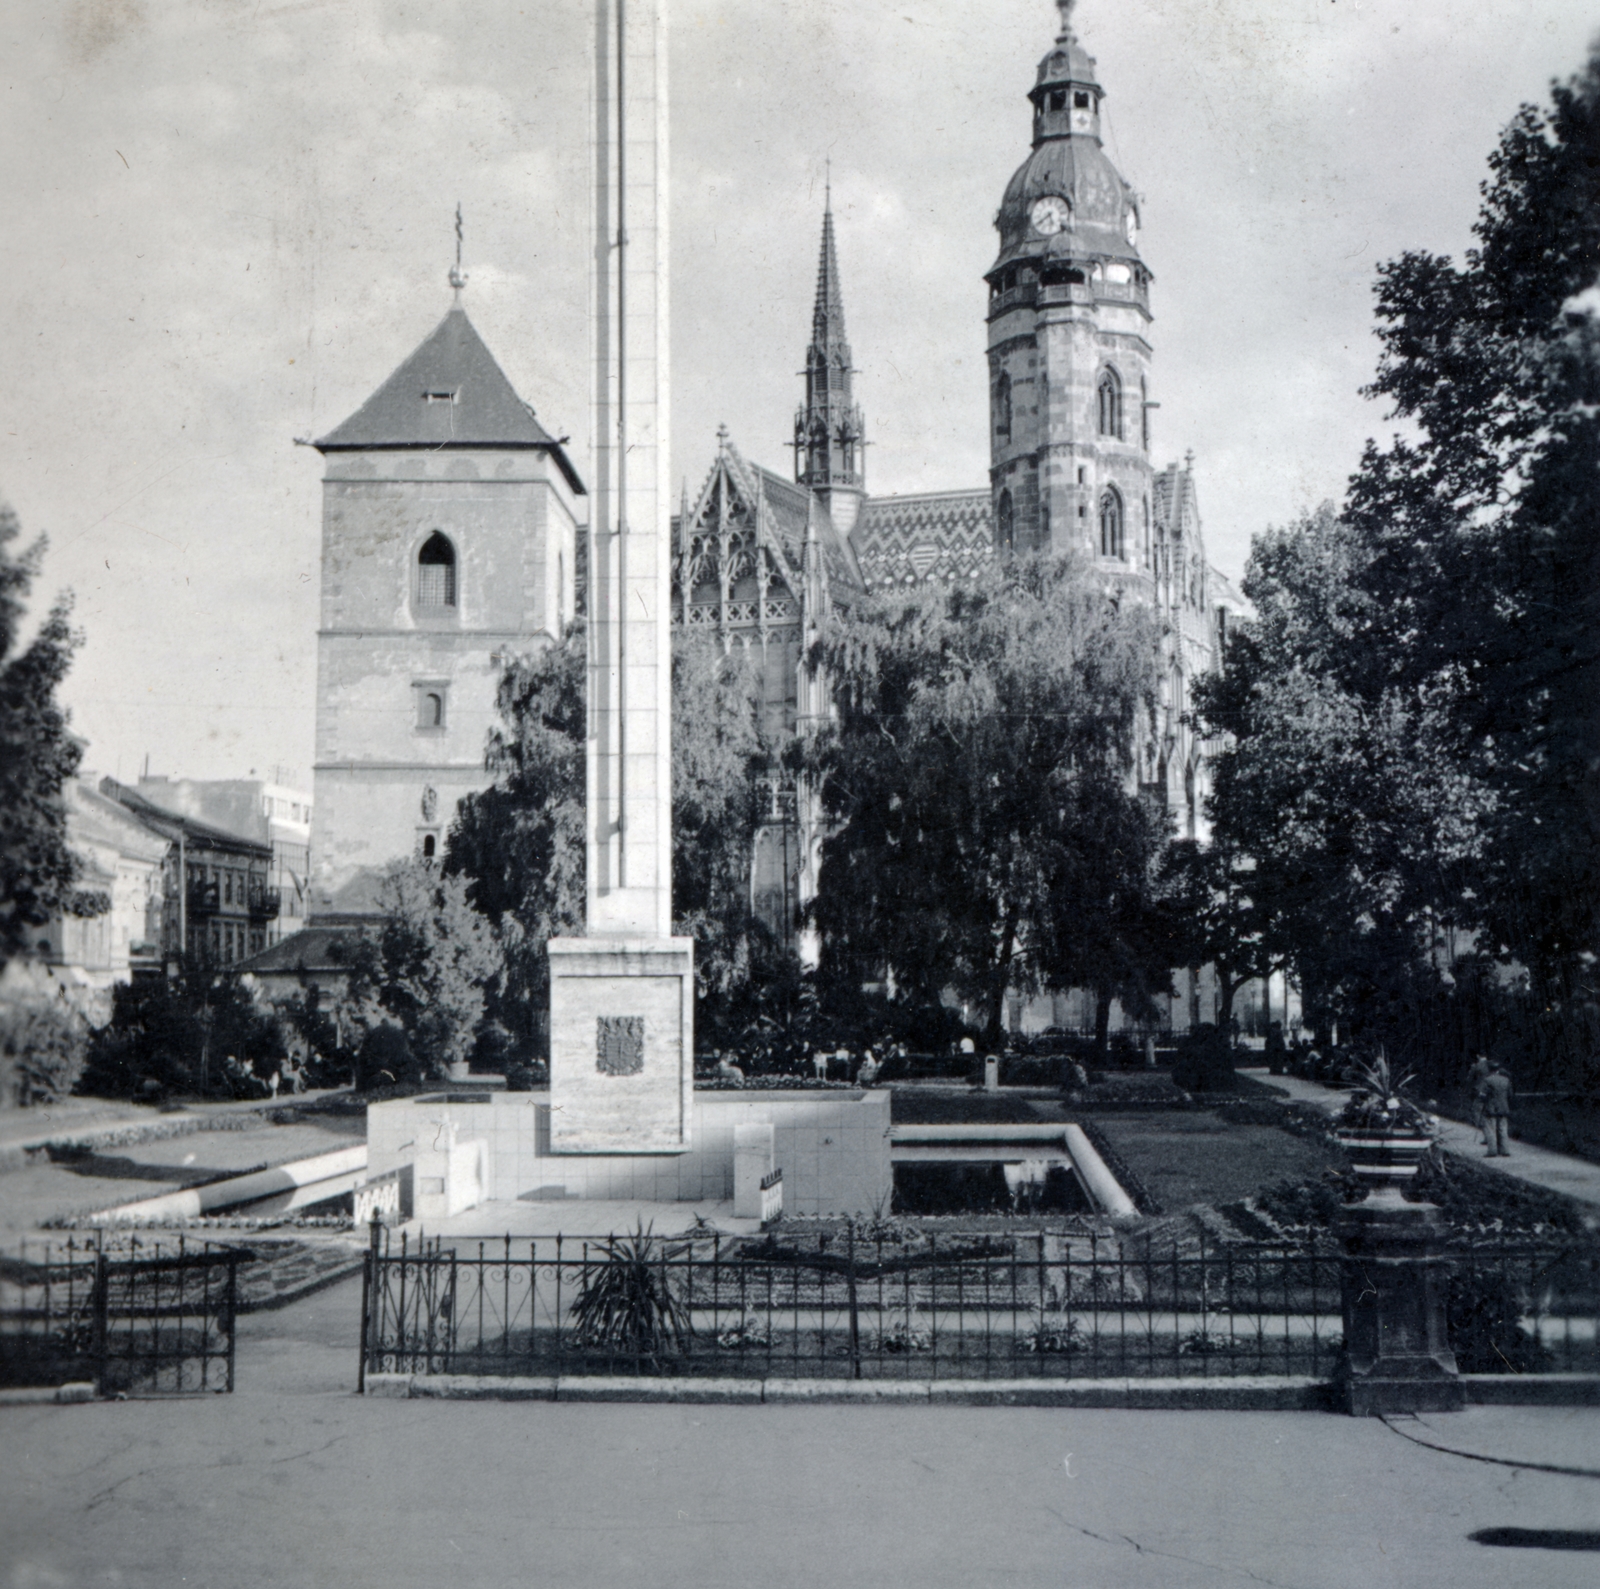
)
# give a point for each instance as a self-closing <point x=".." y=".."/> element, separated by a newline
<point x="101" y="1303"/>
<point x="232" y="1305"/>
<point x="368" y="1279"/>
<point x="855" y="1318"/>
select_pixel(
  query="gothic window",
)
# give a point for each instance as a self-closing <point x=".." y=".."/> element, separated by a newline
<point x="1111" y="524"/>
<point x="1109" y="403"/>
<point x="1144" y="413"/>
<point x="1006" y="527"/>
<point x="1002" y="408"/>
<point x="436" y="573"/>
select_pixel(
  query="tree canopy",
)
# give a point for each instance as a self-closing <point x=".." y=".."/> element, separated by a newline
<point x="38" y="757"/>
<point x="1415" y="711"/>
<point x="519" y="845"/>
<point x="986" y="831"/>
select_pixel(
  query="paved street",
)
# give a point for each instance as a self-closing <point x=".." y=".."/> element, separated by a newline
<point x="312" y="1489"/>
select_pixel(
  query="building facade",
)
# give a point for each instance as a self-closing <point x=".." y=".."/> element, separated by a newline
<point x="449" y="543"/>
<point x="216" y="895"/>
<point x="270" y="812"/>
<point x="760" y="561"/>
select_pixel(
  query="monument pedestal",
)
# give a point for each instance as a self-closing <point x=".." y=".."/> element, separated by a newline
<point x="621" y="1044"/>
<point x="1397" y="1356"/>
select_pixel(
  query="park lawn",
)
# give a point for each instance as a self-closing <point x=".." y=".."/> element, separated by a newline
<point x="1194" y="1156"/>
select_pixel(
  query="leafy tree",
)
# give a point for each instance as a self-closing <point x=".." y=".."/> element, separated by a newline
<point x="426" y="966"/>
<point x="43" y="1044"/>
<point x="198" y="1033"/>
<point x="978" y="780"/>
<point x="1442" y="705"/>
<point x="519" y="844"/>
<point x="38" y="756"/>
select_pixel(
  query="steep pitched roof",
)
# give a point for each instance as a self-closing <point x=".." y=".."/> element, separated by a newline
<point x="172" y="825"/>
<point x="449" y="393"/>
<point x="946" y="537"/>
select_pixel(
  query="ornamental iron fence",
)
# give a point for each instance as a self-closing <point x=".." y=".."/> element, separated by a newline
<point x="145" y="1320"/>
<point x="850" y="1304"/>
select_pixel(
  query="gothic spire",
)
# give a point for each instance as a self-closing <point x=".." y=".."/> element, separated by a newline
<point x="827" y="317"/>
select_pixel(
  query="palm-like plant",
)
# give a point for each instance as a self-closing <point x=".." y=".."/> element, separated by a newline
<point x="1378" y="1102"/>
<point x="627" y="1302"/>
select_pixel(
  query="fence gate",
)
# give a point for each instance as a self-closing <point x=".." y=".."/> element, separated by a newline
<point x="161" y="1324"/>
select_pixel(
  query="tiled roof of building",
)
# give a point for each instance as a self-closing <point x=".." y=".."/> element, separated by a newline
<point x="449" y="393"/>
<point x="310" y="949"/>
<point x="938" y="536"/>
<point x="786" y="507"/>
<point x="170" y="824"/>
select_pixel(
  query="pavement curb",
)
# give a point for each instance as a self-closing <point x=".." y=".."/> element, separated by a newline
<point x="73" y="1393"/>
<point x="1532" y="1390"/>
<point x="1235" y="1395"/>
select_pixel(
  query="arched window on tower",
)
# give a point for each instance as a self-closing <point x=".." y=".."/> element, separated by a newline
<point x="1111" y="523"/>
<point x="1005" y="527"/>
<point x="436" y="573"/>
<point x="1144" y="413"/>
<point x="1109" y="402"/>
<point x="1002" y="408"/>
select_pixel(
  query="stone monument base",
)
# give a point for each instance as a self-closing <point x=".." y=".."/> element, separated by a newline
<point x="621" y="1045"/>
<point x="1397" y="1356"/>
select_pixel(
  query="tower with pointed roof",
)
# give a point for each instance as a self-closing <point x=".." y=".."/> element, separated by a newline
<point x="1069" y="350"/>
<point x="449" y="524"/>
<point x="829" y="444"/>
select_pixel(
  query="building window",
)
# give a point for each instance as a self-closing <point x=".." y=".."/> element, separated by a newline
<point x="1002" y="408"/>
<point x="436" y="573"/>
<point x="1144" y="413"/>
<point x="1006" y="529"/>
<point x="1109" y="402"/>
<point x="1111" y="524"/>
<point x="433" y="705"/>
<point x="428" y="846"/>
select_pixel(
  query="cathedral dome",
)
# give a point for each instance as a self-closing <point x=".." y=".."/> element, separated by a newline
<point x="1103" y="211"/>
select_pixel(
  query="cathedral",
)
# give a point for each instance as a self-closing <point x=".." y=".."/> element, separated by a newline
<point x="454" y="527"/>
<point x="761" y="559"/>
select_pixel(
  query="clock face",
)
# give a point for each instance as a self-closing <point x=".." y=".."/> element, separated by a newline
<point x="1049" y="214"/>
<point x="1130" y="225"/>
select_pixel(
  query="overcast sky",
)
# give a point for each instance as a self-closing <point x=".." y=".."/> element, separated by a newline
<point x="227" y="222"/>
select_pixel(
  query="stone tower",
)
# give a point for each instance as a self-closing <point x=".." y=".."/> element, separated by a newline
<point x="829" y="449"/>
<point x="448" y="522"/>
<point x="1069" y="351"/>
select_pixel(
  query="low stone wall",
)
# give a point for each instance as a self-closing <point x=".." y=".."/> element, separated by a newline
<point x="832" y="1146"/>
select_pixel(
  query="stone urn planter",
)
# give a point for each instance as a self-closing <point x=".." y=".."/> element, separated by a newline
<point x="1386" y="1161"/>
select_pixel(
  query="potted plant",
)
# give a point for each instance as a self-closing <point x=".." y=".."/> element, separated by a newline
<point x="1385" y="1133"/>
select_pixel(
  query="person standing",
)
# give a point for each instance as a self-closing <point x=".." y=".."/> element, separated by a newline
<point x="1476" y="1077"/>
<point x="1497" y="1112"/>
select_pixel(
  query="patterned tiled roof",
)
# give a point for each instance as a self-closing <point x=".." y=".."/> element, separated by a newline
<point x="939" y="536"/>
<point x="786" y="507"/>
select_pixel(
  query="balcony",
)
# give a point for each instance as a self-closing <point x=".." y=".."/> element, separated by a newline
<point x="204" y="898"/>
<point x="265" y="903"/>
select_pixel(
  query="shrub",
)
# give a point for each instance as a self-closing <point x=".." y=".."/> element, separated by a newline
<point x="1483" y="1313"/>
<point x="199" y="1033"/>
<point x="1205" y="1062"/>
<point x="42" y="1051"/>
<point x="385" y="1059"/>
<point x="627" y="1302"/>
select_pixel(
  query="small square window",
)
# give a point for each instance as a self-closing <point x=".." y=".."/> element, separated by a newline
<point x="441" y="396"/>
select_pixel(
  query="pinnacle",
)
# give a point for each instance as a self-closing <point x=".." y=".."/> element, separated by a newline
<point x="827" y="318"/>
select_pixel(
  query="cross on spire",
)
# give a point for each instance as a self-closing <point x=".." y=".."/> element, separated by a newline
<point x="458" y="277"/>
<point x="1066" y="8"/>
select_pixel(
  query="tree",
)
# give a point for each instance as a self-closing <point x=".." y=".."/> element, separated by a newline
<point x="38" y="757"/>
<point x="519" y="845"/>
<point x="199" y="1032"/>
<point x="1443" y="705"/>
<point x="427" y="966"/>
<point x="986" y="834"/>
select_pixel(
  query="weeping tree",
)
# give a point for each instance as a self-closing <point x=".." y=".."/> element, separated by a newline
<point x="986" y="833"/>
